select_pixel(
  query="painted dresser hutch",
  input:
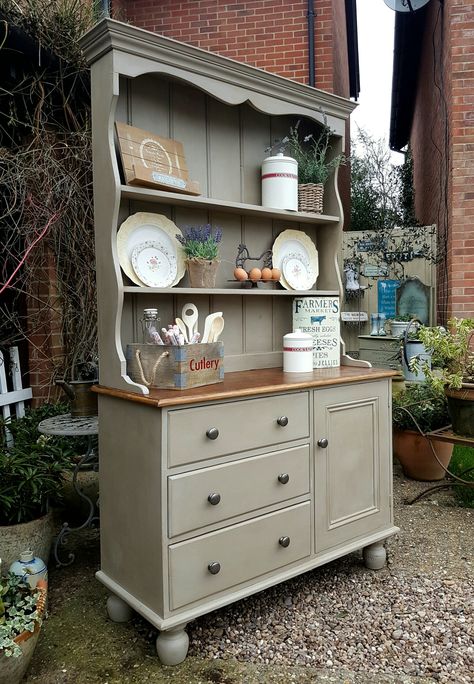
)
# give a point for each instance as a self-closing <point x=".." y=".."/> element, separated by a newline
<point x="214" y="493"/>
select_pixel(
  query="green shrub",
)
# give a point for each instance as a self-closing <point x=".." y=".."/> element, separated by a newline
<point x="462" y="460"/>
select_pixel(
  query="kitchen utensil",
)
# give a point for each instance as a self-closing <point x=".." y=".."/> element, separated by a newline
<point x="217" y="327"/>
<point x="207" y="325"/>
<point x="182" y="328"/>
<point x="190" y="315"/>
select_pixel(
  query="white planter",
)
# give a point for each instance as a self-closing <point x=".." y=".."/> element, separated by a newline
<point x="397" y="328"/>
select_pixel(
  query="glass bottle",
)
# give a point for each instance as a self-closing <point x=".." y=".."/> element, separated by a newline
<point x="150" y="326"/>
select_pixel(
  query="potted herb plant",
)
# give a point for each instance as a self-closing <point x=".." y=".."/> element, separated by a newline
<point x="22" y="609"/>
<point x="201" y="247"/>
<point x="453" y="369"/>
<point x="31" y="478"/>
<point x="419" y="409"/>
<point x="314" y="165"/>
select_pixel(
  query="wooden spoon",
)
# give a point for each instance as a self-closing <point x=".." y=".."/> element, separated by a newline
<point x="217" y="327"/>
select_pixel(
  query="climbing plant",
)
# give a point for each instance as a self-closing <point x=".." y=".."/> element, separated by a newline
<point x="46" y="215"/>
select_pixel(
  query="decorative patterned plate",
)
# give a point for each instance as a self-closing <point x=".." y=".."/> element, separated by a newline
<point x="153" y="264"/>
<point x="297" y="271"/>
<point x="143" y="227"/>
<point x="299" y="245"/>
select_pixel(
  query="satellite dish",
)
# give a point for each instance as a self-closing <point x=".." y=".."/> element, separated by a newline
<point x="406" y="5"/>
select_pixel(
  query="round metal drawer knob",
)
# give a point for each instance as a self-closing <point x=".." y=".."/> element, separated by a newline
<point x="284" y="541"/>
<point x="282" y="420"/>
<point x="323" y="443"/>
<point x="214" y="567"/>
<point x="284" y="478"/>
<point x="212" y="433"/>
<point x="214" y="498"/>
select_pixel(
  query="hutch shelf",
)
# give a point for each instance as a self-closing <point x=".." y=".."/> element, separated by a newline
<point x="211" y="494"/>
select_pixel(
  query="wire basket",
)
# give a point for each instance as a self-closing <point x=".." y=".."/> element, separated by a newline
<point x="310" y="197"/>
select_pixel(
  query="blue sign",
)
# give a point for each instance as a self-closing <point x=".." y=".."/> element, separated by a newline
<point x="387" y="297"/>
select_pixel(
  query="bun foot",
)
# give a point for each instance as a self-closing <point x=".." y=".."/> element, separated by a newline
<point x="375" y="556"/>
<point x="172" y="645"/>
<point x="118" y="610"/>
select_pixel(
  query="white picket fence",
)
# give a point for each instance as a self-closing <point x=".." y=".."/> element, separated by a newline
<point x="12" y="393"/>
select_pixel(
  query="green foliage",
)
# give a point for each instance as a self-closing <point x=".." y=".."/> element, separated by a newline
<point x="407" y="190"/>
<point x="422" y="402"/>
<point x="462" y="461"/>
<point x="452" y="352"/>
<point x="200" y="242"/>
<point x="31" y="471"/>
<point x="311" y="153"/>
<point x="18" y="612"/>
<point x="375" y="186"/>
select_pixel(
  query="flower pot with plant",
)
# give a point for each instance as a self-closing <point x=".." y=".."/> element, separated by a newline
<point x="312" y="152"/>
<point x="419" y="409"/>
<point x="31" y="478"/>
<point x="398" y="325"/>
<point x="453" y="369"/>
<point x="201" y="247"/>
<point x="22" y="610"/>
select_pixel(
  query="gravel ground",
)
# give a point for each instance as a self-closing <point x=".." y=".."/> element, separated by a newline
<point x="410" y="623"/>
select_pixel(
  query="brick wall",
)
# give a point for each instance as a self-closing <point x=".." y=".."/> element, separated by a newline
<point x="461" y="263"/>
<point x="44" y="333"/>
<point x="269" y="34"/>
<point x="442" y="139"/>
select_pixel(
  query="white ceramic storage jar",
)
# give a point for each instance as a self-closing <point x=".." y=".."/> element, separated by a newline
<point x="297" y="352"/>
<point x="280" y="182"/>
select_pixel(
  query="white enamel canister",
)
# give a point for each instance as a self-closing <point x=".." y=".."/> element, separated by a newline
<point x="297" y="352"/>
<point x="280" y="182"/>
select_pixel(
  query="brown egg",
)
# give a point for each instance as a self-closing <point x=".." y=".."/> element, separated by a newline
<point x="255" y="274"/>
<point x="276" y="274"/>
<point x="266" y="273"/>
<point x="240" y="274"/>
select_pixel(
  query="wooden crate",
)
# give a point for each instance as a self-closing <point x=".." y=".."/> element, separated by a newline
<point x="191" y="365"/>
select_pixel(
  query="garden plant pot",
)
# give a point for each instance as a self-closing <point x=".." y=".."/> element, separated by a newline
<point x="416" y="457"/>
<point x="310" y="197"/>
<point x="36" y="535"/>
<point x="202" y="273"/>
<point x="398" y="328"/>
<point x="12" y="669"/>
<point x="461" y="409"/>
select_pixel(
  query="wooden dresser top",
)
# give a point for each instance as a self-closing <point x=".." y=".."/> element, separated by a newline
<point x="251" y="383"/>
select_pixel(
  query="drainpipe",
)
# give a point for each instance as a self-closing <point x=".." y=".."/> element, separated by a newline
<point x="105" y="8"/>
<point x="311" y="42"/>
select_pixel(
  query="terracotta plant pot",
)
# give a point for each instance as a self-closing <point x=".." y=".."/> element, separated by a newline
<point x="12" y="669"/>
<point x="202" y="273"/>
<point x="416" y="457"/>
<point x="461" y="409"/>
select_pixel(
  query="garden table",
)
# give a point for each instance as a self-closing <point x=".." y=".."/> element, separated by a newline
<point x="66" y="425"/>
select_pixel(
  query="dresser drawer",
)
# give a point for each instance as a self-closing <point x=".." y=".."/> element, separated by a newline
<point x="236" y="426"/>
<point x="242" y="552"/>
<point x="221" y="492"/>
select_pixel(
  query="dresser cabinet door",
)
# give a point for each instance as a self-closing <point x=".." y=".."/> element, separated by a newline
<point x="352" y="452"/>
